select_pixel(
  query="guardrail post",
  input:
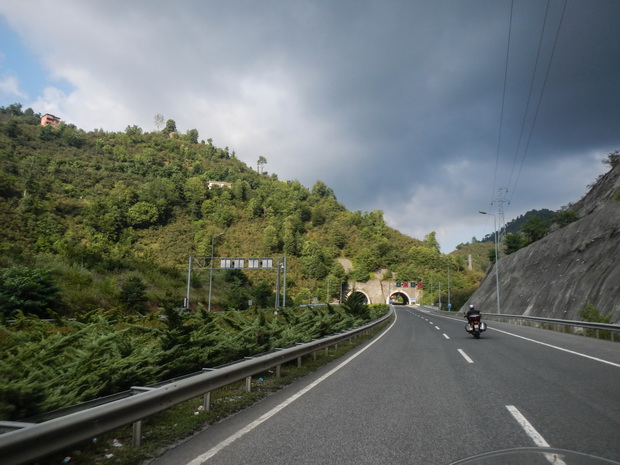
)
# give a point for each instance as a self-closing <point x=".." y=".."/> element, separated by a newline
<point x="248" y="384"/>
<point x="137" y="425"/>
<point x="206" y="397"/>
<point x="278" y="371"/>
<point x="137" y="433"/>
<point x="298" y="362"/>
<point x="314" y="355"/>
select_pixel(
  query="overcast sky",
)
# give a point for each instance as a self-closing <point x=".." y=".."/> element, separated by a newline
<point x="427" y="110"/>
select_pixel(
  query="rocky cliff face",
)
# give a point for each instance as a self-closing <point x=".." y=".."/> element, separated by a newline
<point x="557" y="276"/>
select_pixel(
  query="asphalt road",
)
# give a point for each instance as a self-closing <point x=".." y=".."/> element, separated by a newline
<point x="425" y="392"/>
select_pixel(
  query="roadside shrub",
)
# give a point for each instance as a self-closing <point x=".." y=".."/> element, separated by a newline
<point x="30" y="290"/>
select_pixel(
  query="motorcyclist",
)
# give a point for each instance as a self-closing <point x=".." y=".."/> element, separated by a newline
<point x="471" y="312"/>
<point x="472" y="315"/>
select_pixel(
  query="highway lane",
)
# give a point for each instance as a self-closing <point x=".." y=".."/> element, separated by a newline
<point x="411" y="396"/>
<point x="568" y="387"/>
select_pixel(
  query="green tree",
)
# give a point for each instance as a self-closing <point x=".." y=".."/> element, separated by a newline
<point x="290" y="241"/>
<point x="142" y="215"/>
<point x="431" y="241"/>
<point x="592" y="314"/>
<point x="535" y="228"/>
<point x="133" y="132"/>
<point x="320" y="189"/>
<point x="195" y="192"/>
<point x="260" y="164"/>
<point x="565" y="216"/>
<point x="512" y="243"/>
<point x="30" y="290"/>
<point x="225" y="214"/>
<point x="133" y="295"/>
<point x="72" y="135"/>
<point x="359" y="273"/>
<point x="263" y="295"/>
<point x="241" y="190"/>
<point x="338" y="239"/>
<point x="424" y="257"/>
<point x="160" y="192"/>
<point x="11" y="129"/>
<point x="271" y="241"/>
<point x="318" y="215"/>
<point x="192" y="136"/>
<point x="171" y="127"/>
<point x="47" y="133"/>
<point x="315" y="262"/>
<point x="368" y="259"/>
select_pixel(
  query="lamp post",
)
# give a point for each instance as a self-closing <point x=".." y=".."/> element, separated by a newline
<point x="496" y="241"/>
<point x="449" y="301"/>
<point x="211" y="268"/>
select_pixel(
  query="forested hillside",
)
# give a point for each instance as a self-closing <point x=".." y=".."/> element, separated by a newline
<point x="108" y="220"/>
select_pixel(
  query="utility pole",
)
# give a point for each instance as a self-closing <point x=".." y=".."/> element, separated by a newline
<point x="500" y="201"/>
<point x="449" y="301"/>
<point x="496" y="265"/>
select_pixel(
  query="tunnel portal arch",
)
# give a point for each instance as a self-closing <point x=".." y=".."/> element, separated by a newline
<point x="399" y="298"/>
<point x="366" y="298"/>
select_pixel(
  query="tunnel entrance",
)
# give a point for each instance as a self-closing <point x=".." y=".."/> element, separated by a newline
<point x="399" y="298"/>
<point x="366" y="299"/>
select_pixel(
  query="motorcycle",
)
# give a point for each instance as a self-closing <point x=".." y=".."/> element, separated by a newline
<point x="534" y="455"/>
<point x="474" y="325"/>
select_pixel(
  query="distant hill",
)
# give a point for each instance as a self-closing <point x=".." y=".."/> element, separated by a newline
<point x="515" y="226"/>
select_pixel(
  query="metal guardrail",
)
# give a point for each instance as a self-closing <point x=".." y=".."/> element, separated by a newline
<point x="573" y="324"/>
<point x="31" y="441"/>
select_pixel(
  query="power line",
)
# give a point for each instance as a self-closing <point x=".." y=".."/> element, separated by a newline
<point x="501" y="118"/>
<point x="527" y="105"/>
<point x="555" y="42"/>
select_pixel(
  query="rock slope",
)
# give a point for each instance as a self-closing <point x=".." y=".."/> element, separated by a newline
<point x="557" y="276"/>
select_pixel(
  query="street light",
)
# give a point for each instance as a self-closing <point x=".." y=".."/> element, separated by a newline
<point x="449" y="301"/>
<point x="211" y="270"/>
<point x="496" y="241"/>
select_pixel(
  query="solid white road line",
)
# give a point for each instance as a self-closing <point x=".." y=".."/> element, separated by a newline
<point x="559" y="348"/>
<point x="469" y="360"/>
<point x="243" y="431"/>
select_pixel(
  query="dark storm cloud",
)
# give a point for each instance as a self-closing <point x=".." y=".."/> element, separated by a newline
<point x="398" y="105"/>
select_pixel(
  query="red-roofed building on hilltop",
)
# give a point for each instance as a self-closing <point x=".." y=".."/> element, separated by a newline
<point x="48" y="118"/>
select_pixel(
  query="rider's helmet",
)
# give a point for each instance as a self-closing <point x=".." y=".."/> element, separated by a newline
<point x="471" y="306"/>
